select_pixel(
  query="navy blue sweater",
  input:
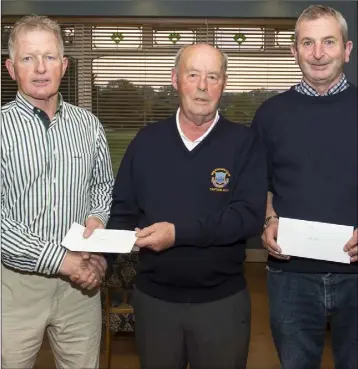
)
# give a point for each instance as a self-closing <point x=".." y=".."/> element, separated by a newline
<point x="214" y="195"/>
<point x="311" y="147"/>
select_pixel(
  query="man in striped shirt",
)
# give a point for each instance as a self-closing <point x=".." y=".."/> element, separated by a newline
<point x="55" y="170"/>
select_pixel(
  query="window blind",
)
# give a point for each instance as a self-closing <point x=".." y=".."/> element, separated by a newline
<point x="120" y="67"/>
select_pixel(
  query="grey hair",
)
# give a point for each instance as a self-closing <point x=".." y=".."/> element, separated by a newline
<point x="179" y="54"/>
<point x="314" y="12"/>
<point x="35" y="23"/>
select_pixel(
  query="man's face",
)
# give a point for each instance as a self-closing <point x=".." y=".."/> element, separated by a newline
<point x="320" y="51"/>
<point x="37" y="66"/>
<point x="200" y="81"/>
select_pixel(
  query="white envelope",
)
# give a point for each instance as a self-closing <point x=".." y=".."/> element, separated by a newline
<point x="101" y="241"/>
<point x="314" y="240"/>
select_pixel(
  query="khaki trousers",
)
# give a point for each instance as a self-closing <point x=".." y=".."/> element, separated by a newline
<point x="32" y="304"/>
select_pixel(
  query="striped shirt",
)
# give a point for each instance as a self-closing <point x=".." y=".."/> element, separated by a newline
<point x="306" y="89"/>
<point x="53" y="173"/>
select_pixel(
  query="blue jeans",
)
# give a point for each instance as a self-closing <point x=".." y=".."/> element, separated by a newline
<point x="300" y="305"/>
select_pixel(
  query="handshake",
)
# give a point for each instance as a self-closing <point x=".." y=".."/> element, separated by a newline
<point x="85" y="269"/>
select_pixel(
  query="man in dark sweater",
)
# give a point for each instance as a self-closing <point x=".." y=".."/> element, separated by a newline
<point x="194" y="186"/>
<point x="310" y="134"/>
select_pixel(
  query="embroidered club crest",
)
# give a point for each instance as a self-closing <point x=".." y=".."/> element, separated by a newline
<point x="220" y="177"/>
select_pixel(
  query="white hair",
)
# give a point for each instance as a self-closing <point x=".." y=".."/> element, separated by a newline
<point x="35" y="23"/>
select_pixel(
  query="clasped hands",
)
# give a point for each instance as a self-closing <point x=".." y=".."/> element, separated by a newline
<point x="85" y="269"/>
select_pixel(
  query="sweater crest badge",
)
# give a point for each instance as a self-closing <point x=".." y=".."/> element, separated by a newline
<point x="220" y="178"/>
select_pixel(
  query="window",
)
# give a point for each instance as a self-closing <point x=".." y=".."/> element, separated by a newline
<point x="110" y="37"/>
<point x="120" y="69"/>
<point x="242" y="39"/>
<point x="173" y="37"/>
<point x="284" y="38"/>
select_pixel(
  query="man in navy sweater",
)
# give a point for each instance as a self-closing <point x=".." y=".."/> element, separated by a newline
<point x="310" y="134"/>
<point x="194" y="186"/>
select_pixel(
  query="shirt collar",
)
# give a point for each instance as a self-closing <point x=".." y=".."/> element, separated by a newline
<point x="217" y="117"/>
<point x="306" y="89"/>
<point x="29" y="110"/>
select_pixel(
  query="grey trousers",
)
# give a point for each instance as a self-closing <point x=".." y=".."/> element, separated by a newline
<point x="210" y="335"/>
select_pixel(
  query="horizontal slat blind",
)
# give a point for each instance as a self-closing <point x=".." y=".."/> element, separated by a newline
<point x="120" y="69"/>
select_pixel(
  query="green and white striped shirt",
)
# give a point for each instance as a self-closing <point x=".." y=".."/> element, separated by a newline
<point x="52" y="174"/>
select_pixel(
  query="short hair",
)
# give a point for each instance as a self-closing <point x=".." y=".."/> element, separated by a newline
<point x="35" y="23"/>
<point x="224" y="57"/>
<point x="314" y="12"/>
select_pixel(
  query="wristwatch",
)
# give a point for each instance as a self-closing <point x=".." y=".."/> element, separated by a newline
<point x="267" y="220"/>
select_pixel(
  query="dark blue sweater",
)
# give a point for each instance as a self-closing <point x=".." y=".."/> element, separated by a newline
<point x="214" y="195"/>
<point x="311" y="147"/>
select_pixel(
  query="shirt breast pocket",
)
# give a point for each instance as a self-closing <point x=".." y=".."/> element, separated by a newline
<point x="80" y="165"/>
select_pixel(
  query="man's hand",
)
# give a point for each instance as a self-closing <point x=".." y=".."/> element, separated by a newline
<point x="269" y="238"/>
<point x="80" y="270"/>
<point x="91" y="224"/>
<point x="352" y="247"/>
<point x="98" y="261"/>
<point x="158" y="237"/>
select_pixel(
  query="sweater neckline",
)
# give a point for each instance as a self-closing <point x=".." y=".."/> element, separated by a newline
<point x="201" y="144"/>
<point x="349" y="91"/>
